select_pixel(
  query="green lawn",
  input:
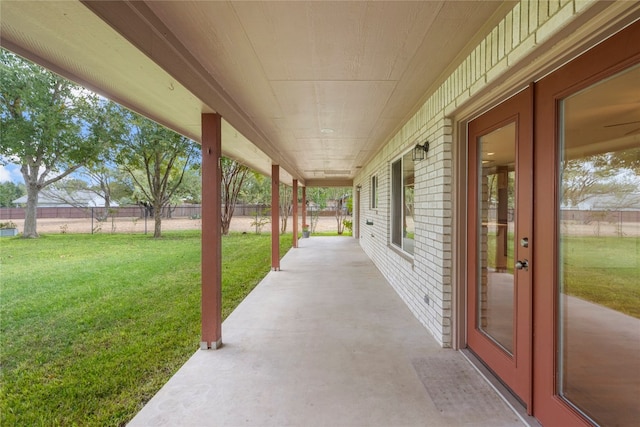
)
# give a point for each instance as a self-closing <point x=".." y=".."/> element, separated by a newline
<point x="604" y="270"/>
<point x="93" y="325"/>
<point x="491" y="251"/>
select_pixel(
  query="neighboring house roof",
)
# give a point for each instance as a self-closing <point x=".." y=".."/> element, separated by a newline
<point x="58" y="198"/>
<point x="606" y="202"/>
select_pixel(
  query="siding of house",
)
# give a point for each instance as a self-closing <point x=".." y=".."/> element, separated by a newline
<point x="428" y="275"/>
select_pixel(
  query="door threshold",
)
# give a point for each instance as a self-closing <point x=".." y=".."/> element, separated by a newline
<point x="516" y="406"/>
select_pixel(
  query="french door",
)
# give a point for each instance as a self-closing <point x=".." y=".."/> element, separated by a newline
<point x="553" y="301"/>
<point x="586" y="358"/>
<point x="499" y="241"/>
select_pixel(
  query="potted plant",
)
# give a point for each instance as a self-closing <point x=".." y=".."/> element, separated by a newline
<point x="8" y="228"/>
<point x="305" y="231"/>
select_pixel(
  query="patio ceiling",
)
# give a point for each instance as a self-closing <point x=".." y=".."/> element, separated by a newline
<point x="316" y="87"/>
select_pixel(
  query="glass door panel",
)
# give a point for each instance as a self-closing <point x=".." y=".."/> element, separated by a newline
<point x="598" y="337"/>
<point x="496" y="203"/>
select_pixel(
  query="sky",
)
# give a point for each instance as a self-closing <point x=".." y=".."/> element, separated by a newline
<point x="11" y="173"/>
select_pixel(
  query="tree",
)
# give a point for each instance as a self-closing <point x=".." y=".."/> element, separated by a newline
<point x="101" y="181"/>
<point x="599" y="174"/>
<point x="70" y="191"/>
<point x="10" y="191"/>
<point x="119" y="184"/>
<point x="49" y="126"/>
<point x="286" y="194"/>
<point x="233" y="176"/>
<point x="317" y="195"/>
<point x="98" y="179"/>
<point x="257" y="191"/>
<point x="190" y="190"/>
<point x="103" y="176"/>
<point x="340" y="196"/>
<point x="156" y="159"/>
<point x="626" y="159"/>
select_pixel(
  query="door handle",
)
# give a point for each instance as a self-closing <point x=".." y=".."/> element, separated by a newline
<point x="522" y="265"/>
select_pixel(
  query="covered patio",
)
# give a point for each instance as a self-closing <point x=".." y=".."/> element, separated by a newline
<point x="326" y="341"/>
<point x="382" y="97"/>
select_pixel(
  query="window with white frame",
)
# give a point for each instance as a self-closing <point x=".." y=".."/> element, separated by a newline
<point x="402" y="197"/>
<point x="373" y="193"/>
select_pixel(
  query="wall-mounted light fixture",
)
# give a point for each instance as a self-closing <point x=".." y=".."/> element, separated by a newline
<point x="358" y="187"/>
<point x="420" y="151"/>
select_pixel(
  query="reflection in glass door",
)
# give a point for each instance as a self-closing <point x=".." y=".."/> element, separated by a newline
<point x="598" y="366"/>
<point x="496" y="203"/>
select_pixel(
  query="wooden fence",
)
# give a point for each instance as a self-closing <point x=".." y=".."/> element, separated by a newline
<point x="183" y="211"/>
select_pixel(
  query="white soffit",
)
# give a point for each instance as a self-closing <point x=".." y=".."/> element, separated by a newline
<point x="327" y="82"/>
<point x="70" y="40"/>
<point x="317" y="87"/>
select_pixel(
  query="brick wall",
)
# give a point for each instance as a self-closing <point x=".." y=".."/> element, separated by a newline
<point x="427" y="275"/>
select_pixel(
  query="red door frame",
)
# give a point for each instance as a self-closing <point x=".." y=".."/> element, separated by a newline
<point x="610" y="57"/>
<point x="514" y="370"/>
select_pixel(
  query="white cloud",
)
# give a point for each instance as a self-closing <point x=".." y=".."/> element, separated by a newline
<point x="5" y="175"/>
<point x="10" y="173"/>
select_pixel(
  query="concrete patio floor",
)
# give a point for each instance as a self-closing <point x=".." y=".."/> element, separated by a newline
<point x="326" y="341"/>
